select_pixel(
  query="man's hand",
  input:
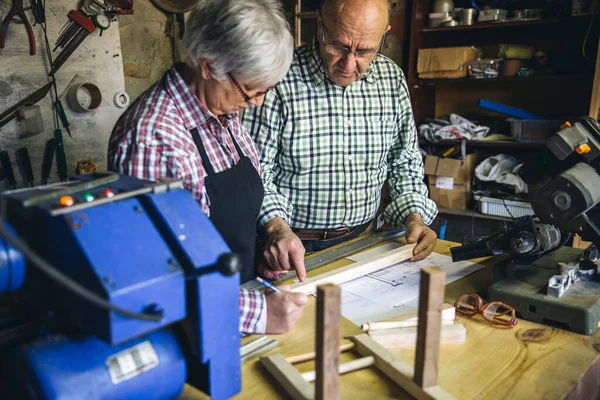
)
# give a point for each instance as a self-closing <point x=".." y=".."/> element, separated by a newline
<point x="418" y="232"/>
<point x="283" y="252"/>
<point x="283" y="310"/>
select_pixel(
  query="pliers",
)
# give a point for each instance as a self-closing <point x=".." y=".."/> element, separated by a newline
<point x="17" y="9"/>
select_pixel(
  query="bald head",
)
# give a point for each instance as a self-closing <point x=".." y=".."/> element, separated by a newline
<point x="373" y="14"/>
<point x="358" y="27"/>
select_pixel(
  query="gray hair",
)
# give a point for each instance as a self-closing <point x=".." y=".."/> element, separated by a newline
<point x="249" y="38"/>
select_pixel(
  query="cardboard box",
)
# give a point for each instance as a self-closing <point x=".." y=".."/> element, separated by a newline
<point x="445" y="62"/>
<point x="450" y="180"/>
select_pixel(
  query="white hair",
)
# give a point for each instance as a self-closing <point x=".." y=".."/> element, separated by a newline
<point x="248" y="38"/>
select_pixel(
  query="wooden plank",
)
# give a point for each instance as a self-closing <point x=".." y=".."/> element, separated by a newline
<point x="407" y="337"/>
<point x="595" y="102"/>
<point x="396" y="369"/>
<point x="329" y="304"/>
<point x="355" y="270"/>
<point x="288" y="377"/>
<point x="431" y="300"/>
<point x="349" y="366"/>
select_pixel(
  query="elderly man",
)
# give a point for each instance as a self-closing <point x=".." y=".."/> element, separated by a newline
<point x="186" y="126"/>
<point x="334" y="130"/>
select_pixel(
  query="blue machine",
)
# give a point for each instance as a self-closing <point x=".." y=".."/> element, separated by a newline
<point x="141" y="294"/>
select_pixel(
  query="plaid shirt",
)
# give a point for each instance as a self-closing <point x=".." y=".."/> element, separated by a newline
<point x="326" y="150"/>
<point x="152" y="141"/>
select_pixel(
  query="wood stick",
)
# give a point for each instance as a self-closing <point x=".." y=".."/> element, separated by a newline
<point x="397" y="369"/>
<point x="288" y="377"/>
<point x="407" y="337"/>
<point x="312" y="355"/>
<point x="361" y="268"/>
<point x="346" y="367"/>
<point x="448" y="315"/>
<point x="431" y="299"/>
<point x="329" y="304"/>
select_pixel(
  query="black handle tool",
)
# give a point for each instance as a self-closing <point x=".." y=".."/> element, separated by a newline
<point x="48" y="159"/>
<point x="11" y="183"/>
<point x="24" y="164"/>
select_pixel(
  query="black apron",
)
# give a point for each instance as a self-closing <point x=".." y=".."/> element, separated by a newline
<point x="236" y="195"/>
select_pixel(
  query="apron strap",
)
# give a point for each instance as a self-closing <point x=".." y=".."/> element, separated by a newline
<point x="205" y="160"/>
<point x="200" y="146"/>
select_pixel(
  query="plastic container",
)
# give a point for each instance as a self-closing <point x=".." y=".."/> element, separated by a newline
<point x="485" y="68"/>
<point x="533" y="130"/>
<point x="501" y="208"/>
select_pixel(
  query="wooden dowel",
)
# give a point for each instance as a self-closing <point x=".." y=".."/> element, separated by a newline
<point x="311" y="356"/>
<point x="346" y="367"/>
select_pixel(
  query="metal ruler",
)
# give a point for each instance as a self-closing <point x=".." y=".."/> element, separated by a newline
<point x="335" y="254"/>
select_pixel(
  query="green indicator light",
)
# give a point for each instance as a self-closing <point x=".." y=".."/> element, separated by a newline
<point x="88" y="197"/>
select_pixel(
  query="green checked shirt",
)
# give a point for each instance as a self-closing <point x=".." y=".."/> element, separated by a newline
<point x="326" y="150"/>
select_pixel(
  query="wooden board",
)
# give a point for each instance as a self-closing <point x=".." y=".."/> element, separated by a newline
<point x="328" y="342"/>
<point x="431" y="299"/>
<point x="529" y="362"/>
<point x="355" y="270"/>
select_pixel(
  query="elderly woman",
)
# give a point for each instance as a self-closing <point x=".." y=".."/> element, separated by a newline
<point x="186" y="126"/>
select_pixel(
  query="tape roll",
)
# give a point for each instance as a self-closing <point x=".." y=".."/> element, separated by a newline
<point x="121" y="99"/>
<point x="76" y="101"/>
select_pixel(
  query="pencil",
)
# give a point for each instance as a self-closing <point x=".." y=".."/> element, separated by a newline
<point x="268" y="285"/>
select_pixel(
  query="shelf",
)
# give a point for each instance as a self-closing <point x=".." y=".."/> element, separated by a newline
<point x="471" y="213"/>
<point x="486" y="143"/>
<point x="516" y="79"/>
<point x="510" y="24"/>
<point x="306" y="15"/>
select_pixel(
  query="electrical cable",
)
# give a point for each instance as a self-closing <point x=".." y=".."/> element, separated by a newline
<point x="586" y="38"/>
<point x="68" y="283"/>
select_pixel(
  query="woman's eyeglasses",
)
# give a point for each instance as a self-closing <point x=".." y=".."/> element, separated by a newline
<point x="245" y="95"/>
<point x="495" y="312"/>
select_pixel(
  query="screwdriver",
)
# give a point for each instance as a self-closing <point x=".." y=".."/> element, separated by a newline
<point x="25" y="165"/>
<point x="47" y="161"/>
<point x="63" y="116"/>
<point x="8" y="170"/>
<point x="61" y="159"/>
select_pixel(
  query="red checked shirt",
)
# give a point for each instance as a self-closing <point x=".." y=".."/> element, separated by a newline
<point x="152" y="141"/>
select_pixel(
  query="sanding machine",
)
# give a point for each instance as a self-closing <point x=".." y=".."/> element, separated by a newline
<point x="112" y="287"/>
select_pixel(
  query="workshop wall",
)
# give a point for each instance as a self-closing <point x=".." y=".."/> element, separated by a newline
<point x="97" y="60"/>
<point x="147" y="50"/>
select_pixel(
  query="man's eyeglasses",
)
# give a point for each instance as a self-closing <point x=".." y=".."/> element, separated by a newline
<point x="495" y="312"/>
<point x="343" y="51"/>
<point x="245" y="95"/>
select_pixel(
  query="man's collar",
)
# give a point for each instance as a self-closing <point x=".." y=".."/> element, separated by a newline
<point x="317" y="70"/>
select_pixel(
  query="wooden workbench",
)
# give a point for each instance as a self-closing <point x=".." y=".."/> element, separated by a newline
<point x="529" y="361"/>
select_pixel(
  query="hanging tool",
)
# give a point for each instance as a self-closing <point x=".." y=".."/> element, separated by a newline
<point x="33" y="98"/>
<point x="73" y="34"/>
<point x="47" y="161"/>
<point x="24" y="164"/>
<point x="8" y="170"/>
<point x="63" y="116"/>
<point x="61" y="159"/>
<point x="37" y="8"/>
<point x="17" y="10"/>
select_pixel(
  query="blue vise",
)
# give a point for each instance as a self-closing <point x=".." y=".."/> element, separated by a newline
<point x="133" y="293"/>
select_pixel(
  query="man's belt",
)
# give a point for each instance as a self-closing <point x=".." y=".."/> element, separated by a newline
<point x="324" y="234"/>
